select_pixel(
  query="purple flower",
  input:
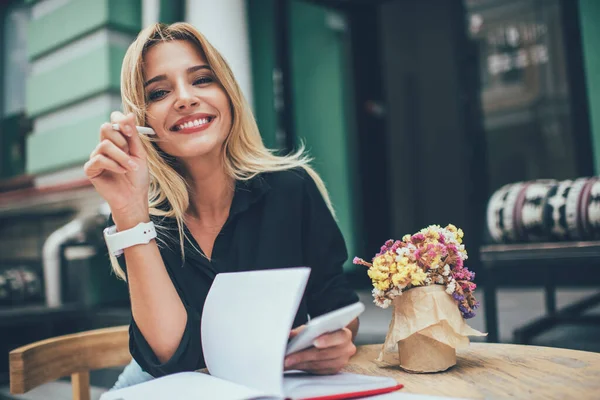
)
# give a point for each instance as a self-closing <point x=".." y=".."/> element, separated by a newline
<point x="468" y="315"/>
<point x="418" y="236"/>
<point x="389" y="243"/>
<point x="458" y="297"/>
<point x="356" y="260"/>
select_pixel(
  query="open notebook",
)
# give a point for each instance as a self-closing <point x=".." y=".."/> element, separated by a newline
<point x="245" y="326"/>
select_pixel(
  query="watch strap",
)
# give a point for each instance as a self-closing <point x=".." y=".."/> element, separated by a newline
<point x="116" y="241"/>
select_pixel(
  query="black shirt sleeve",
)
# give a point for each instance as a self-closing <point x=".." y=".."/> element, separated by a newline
<point x="325" y="253"/>
<point x="187" y="357"/>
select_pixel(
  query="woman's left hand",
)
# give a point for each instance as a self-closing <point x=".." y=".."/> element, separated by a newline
<point x="331" y="353"/>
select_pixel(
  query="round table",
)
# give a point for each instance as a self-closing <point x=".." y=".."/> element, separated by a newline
<point x="490" y="370"/>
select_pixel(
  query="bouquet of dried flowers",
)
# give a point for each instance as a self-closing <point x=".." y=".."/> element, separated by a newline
<point x="433" y="256"/>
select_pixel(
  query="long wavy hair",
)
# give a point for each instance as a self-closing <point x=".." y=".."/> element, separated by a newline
<point x="244" y="155"/>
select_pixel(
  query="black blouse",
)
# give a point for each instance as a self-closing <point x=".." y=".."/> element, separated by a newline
<point x="276" y="220"/>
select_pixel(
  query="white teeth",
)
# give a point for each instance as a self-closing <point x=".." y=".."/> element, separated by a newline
<point x="195" y="123"/>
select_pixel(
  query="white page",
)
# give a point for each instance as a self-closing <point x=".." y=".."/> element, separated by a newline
<point x="246" y="322"/>
<point x="184" y="386"/>
<point x="399" y="395"/>
<point x="301" y="385"/>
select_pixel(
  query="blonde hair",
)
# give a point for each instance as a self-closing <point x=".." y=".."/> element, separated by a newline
<point x="244" y="155"/>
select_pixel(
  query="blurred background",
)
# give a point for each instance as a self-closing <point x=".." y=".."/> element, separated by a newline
<point x="416" y="111"/>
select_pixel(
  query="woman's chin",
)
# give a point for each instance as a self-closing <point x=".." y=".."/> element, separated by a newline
<point x="196" y="150"/>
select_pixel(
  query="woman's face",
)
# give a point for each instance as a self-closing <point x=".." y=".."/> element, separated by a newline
<point x="186" y="106"/>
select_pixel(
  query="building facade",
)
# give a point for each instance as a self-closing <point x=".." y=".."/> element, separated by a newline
<point x="381" y="92"/>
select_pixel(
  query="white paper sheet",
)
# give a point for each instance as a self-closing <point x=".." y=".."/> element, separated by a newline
<point x="399" y="395"/>
<point x="301" y="385"/>
<point x="185" y="385"/>
<point x="246" y="322"/>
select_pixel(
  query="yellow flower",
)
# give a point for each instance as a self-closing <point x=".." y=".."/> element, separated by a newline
<point x="406" y="238"/>
<point x="380" y="264"/>
<point x="399" y="278"/>
<point x="393" y="268"/>
<point x="451" y="228"/>
<point x="383" y="285"/>
<point x="403" y="261"/>
<point x="418" y="277"/>
<point x="377" y="275"/>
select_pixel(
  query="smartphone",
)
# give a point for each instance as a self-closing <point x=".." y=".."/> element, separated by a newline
<point x="330" y="322"/>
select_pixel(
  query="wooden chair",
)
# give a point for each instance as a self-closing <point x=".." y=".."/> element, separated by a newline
<point x="75" y="355"/>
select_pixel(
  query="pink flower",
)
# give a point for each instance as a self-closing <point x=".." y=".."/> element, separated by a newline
<point x="418" y="236"/>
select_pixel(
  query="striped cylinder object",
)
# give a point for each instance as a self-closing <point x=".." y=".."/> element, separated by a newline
<point x="545" y="210"/>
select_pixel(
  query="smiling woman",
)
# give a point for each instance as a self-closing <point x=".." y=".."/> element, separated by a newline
<point x="219" y="199"/>
<point x="185" y="98"/>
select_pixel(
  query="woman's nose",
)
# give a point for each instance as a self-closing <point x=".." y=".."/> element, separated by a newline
<point x="186" y="99"/>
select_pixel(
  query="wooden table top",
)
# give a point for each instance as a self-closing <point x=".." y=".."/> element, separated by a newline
<point x="494" y="371"/>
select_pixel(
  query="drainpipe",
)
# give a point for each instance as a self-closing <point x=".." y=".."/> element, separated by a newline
<point x="75" y="229"/>
<point x="51" y="259"/>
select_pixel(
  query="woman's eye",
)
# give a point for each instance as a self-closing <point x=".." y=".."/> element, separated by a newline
<point x="203" y="80"/>
<point x="157" y="95"/>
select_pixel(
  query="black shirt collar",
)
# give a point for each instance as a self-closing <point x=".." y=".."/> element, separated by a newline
<point x="247" y="193"/>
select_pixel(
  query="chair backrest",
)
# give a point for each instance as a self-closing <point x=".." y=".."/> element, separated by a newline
<point x="74" y="355"/>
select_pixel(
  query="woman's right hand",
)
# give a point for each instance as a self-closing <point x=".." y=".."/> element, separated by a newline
<point x="118" y="169"/>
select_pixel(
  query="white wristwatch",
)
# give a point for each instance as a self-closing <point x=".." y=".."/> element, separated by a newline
<point x="142" y="233"/>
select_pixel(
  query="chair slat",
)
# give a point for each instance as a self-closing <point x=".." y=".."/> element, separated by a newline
<point x="54" y="358"/>
<point x="81" y="385"/>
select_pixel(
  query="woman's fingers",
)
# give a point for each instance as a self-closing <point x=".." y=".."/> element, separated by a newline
<point x="321" y="360"/>
<point x="110" y="150"/>
<point x="294" y="332"/>
<point x="334" y="338"/>
<point x="107" y="132"/>
<point x="127" y="126"/>
<point x="99" y="163"/>
<point x="126" y="122"/>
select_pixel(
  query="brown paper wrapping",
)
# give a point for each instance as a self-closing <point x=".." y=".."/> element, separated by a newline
<point x="426" y="329"/>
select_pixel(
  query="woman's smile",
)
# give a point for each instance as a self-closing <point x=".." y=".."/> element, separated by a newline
<point x="193" y="123"/>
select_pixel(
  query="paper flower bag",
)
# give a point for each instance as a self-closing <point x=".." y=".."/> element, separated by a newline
<point x="423" y="277"/>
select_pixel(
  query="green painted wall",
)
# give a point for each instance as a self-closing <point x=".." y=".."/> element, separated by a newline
<point x="590" y="32"/>
<point x="79" y="17"/>
<point x="64" y="147"/>
<point x="93" y="73"/>
<point x="171" y="11"/>
<point x="321" y="96"/>
<point x="261" y="21"/>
